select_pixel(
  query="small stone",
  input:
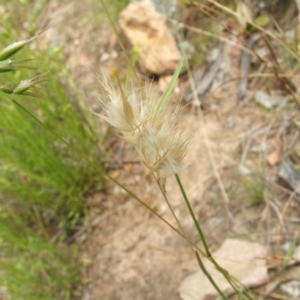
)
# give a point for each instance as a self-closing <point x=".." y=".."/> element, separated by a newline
<point x="164" y="82"/>
<point x="291" y="288"/>
<point x="274" y="158"/>
<point x="146" y="29"/>
<point x="104" y="57"/>
<point x="270" y="101"/>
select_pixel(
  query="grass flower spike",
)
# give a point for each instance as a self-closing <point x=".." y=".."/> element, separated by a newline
<point x="25" y="87"/>
<point x="154" y="132"/>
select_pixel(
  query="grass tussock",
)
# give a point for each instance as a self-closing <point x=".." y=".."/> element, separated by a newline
<point x="43" y="180"/>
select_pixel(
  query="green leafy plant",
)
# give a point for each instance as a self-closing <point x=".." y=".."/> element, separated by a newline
<point x="39" y="168"/>
<point x="43" y="182"/>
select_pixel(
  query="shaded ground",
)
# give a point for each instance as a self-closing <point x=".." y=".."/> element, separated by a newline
<point x="128" y="253"/>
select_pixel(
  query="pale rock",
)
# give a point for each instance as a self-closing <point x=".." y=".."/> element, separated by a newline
<point x="246" y="261"/>
<point x="164" y="82"/>
<point x="243" y="170"/>
<point x="162" y="209"/>
<point x="270" y="101"/>
<point x="291" y="288"/>
<point x="108" y="56"/>
<point x="264" y="99"/>
<point x="104" y="57"/>
<point x="274" y="158"/>
<point x="177" y="90"/>
<point x="295" y="258"/>
<point x="146" y="29"/>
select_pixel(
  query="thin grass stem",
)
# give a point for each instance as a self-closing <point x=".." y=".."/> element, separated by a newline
<point x="170" y="207"/>
<point x="193" y="216"/>
<point x="231" y="280"/>
<point x="209" y="276"/>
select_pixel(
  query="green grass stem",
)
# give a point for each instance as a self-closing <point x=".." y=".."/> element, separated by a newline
<point x="209" y="276"/>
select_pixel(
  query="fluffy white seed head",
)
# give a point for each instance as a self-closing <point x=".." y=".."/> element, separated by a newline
<point x="161" y="144"/>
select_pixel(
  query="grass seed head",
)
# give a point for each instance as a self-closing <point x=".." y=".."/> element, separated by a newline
<point x="25" y="87"/>
<point x="12" y="49"/>
<point x="161" y="144"/>
<point x="6" y="66"/>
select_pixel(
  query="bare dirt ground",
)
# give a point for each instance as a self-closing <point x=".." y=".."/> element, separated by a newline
<point x="128" y="253"/>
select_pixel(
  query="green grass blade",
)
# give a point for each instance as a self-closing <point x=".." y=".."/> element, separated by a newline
<point x="165" y="96"/>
